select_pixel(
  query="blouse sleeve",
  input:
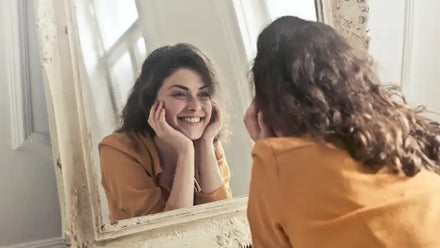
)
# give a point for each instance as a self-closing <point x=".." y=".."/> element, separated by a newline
<point x="224" y="191"/>
<point x="127" y="185"/>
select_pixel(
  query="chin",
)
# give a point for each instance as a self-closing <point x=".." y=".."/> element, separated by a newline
<point x="192" y="133"/>
<point x="193" y="136"/>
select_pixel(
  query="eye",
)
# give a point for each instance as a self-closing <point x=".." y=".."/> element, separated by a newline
<point x="179" y="94"/>
<point x="205" y="95"/>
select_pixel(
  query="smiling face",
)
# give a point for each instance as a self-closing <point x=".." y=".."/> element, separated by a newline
<point x="187" y="101"/>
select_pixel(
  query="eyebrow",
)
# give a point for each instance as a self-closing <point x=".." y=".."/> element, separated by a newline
<point x="185" y="88"/>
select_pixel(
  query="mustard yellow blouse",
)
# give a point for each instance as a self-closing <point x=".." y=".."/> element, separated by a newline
<point x="309" y="195"/>
<point x="131" y="177"/>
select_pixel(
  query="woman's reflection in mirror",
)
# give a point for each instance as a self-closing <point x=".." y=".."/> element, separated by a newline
<point x="167" y="153"/>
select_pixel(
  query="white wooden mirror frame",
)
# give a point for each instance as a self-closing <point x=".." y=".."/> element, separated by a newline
<point x="218" y="224"/>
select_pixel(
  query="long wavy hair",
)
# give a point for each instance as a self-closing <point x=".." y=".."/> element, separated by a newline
<point x="309" y="82"/>
<point x="160" y="64"/>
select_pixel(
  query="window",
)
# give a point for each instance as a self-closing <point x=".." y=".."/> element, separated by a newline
<point x="113" y="48"/>
<point x="254" y="15"/>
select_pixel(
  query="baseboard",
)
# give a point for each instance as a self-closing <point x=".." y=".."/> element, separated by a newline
<point x="45" y="243"/>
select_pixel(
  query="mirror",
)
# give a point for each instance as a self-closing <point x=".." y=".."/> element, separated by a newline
<point x="116" y="38"/>
<point x="91" y="55"/>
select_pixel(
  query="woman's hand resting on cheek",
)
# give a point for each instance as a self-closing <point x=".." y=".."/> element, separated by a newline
<point x="214" y="125"/>
<point x="208" y="172"/>
<point x="253" y="120"/>
<point x="177" y="140"/>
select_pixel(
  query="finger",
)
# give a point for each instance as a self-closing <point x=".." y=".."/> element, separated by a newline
<point x="151" y="115"/>
<point x="153" y="109"/>
<point x="251" y="112"/>
<point x="252" y="108"/>
<point x="158" y="110"/>
<point x="278" y="133"/>
<point x="156" y="117"/>
<point x="216" y="113"/>
<point x="151" y="123"/>
<point x="265" y="129"/>
<point x="261" y="124"/>
<point x="162" y="120"/>
<point x="250" y="121"/>
<point x="252" y="129"/>
<point x="162" y="115"/>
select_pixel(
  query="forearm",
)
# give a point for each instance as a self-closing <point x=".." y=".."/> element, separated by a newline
<point x="182" y="191"/>
<point x="209" y="175"/>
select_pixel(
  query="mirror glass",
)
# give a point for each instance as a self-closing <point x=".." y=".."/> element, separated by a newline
<point x="116" y="37"/>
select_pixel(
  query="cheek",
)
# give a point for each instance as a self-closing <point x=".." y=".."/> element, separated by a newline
<point x="172" y="108"/>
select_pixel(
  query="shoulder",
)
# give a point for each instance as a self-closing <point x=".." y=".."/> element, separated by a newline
<point x="299" y="154"/>
<point x="120" y="141"/>
<point x="280" y="145"/>
<point x="126" y="149"/>
<point x="123" y="142"/>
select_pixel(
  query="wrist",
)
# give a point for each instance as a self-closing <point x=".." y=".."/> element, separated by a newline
<point x="205" y="141"/>
<point x="185" y="148"/>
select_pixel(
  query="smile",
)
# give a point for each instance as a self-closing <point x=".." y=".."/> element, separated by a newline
<point x="191" y="119"/>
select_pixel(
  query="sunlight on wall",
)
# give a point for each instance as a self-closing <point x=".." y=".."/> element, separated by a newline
<point x="300" y="8"/>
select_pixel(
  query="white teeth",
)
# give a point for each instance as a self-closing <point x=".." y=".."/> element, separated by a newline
<point x="191" y="119"/>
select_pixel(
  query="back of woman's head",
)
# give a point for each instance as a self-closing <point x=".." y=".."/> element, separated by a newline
<point x="160" y="64"/>
<point x="309" y="81"/>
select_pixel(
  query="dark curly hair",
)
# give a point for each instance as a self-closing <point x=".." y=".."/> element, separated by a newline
<point x="309" y="82"/>
<point x="160" y="64"/>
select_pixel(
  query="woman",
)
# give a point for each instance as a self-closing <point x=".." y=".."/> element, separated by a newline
<point x="167" y="154"/>
<point x="338" y="161"/>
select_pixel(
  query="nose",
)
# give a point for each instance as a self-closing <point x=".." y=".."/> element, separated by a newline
<point x="194" y="104"/>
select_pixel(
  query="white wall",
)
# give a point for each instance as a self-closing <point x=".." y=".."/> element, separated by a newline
<point x="424" y="84"/>
<point x="29" y="208"/>
<point x="387" y="33"/>
<point x="405" y="42"/>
